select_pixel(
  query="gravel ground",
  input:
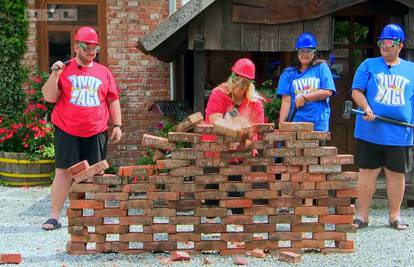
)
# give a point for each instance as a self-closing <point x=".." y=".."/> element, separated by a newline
<point x="23" y="210"/>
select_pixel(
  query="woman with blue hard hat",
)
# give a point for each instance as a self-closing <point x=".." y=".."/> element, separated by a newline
<point x="384" y="86"/>
<point x="306" y="86"/>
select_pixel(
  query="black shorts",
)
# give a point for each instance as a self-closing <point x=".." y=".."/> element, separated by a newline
<point x="373" y="156"/>
<point x="70" y="149"/>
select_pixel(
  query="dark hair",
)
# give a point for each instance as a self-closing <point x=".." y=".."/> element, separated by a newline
<point x="315" y="61"/>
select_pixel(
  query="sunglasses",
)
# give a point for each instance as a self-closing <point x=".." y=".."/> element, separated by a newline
<point x="306" y="51"/>
<point x="388" y="43"/>
<point x="88" y="48"/>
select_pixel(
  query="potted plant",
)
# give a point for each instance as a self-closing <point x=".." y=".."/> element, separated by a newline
<point x="26" y="140"/>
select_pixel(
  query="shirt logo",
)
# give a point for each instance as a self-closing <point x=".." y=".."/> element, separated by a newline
<point x="306" y="85"/>
<point x="84" y="91"/>
<point x="391" y="89"/>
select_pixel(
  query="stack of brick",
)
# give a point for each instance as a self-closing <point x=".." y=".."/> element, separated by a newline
<point x="195" y="203"/>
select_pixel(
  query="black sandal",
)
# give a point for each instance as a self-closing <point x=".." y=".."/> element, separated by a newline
<point x="398" y="225"/>
<point x="359" y="224"/>
<point x="53" y="222"/>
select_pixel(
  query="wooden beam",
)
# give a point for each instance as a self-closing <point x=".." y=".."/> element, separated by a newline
<point x="275" y="12"/>
<point x="199" y="75"/>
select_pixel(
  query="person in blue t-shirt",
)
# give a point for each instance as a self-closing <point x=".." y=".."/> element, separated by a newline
<point x="306" y="86"/>
<point x="383" y="86"/>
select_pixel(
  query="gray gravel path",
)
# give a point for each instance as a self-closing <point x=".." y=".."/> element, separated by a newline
<point x="23" y="210"/>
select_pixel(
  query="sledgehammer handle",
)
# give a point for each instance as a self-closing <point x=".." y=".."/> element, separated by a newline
<point x="401" y="123"/>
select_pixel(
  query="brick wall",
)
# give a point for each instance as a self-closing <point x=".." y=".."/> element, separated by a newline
<point x="142" y="79"/>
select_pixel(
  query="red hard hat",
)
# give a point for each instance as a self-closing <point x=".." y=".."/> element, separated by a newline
<point x="244" y="67"/>
<point x="87" y="35"/>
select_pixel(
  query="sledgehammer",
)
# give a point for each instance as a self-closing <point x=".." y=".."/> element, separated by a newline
<point x="348" y="109"/>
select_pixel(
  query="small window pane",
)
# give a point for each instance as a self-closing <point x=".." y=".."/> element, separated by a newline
<point x="59" y="46"/>
<point x="59" y="14"/>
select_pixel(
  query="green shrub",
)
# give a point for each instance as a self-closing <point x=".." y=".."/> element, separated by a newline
<point x="13" y="36"/>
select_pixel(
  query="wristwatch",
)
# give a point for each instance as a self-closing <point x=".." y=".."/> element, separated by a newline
<point x="118" y="125"/>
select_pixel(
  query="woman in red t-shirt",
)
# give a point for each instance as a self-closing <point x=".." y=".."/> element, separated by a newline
<point x="237" y="93"/>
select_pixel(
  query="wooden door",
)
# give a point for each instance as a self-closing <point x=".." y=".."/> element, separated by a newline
<point x="355" y="38"/>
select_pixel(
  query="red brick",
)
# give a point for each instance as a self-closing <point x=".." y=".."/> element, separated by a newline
<point x="234" y="186"/>
<point x="160" y="246"/>
<point x="308" y="244"/>
<point x="345" y="244"/>
<point x="135" y="237"/>
<point x="172" y="163"/>
<point x="307" y="177"/>
<point x="302" y="144"/>
<point x="336" y="219"/>
<point x="258" y="177"/>
<point x="186" y="153"/>
<point x="278" y="168"/>
<point x="345" y="228"/>
<point x="289" y="218"/>
<point x="236" y="203"/>
<point x="333" y="185"/>
<point x="237" y="219"/>
<point x="86" y="204"/>
<point x="329" y="236"/>
<point x="89" y="221"/>
<point x="136" y="203"/>
<point x="131" y="188"/>
<point x="210" y="212"/>
<point x="77" y="168"/>
<point x="162" y="195"/>
<point x="279" y="152"/>
<point x="347" y="193"/>
<point x="263" y="127"/>
<point x="261" y="194"/>
<point x="311" y="194"/>
<point x="318" y="135"/>
<point x="285" y="202"/>
<point x="308" y="227"/>
<point x="324" y="168"/>
<point x="330" y="202"/>
<point x="186" y="171"/>
<point x="73" y="213"/>
<point x="276" y="236"/>
<point x="345" y="210"/>
<point x="163" y="212"/>
<point x="111" y="196"/>
<point x="301" y="160"/>
<point x="295" y="126"/>
<point x="260" y="211"/>
<point x="210" y="179"/>
<point x="110" y="213"/>
<point x="339" y="159"/>
<point x="141" y="170"/>
<point x="10" y="258"/>
<point x="157" y="142"/>
<point x="91" y="171"/>
<point x="190" y="122"/>
<point x="135" y="220"/>
<point x="320" y="151"/>
<point x="111" y="229"/>
<point x="211" y="163"/>
<point x="111" y="246"/>
<point x="235" y="170"/>
<point x="343" y="176"/>
<point x="279" y="136"/>
<point x="310" y="211"/>
<point x="75" y="247"/>
<point x="88" y="188"/>
<point x="289" y="257"/>
<point x="204" y="128"/>
<point x="184" y="137"/>
<point x="179" y="256"/>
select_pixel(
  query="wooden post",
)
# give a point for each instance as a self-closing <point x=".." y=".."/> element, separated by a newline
<point x="199" y="75"/>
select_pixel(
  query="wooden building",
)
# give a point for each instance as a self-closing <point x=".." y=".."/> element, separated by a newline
<point x="205" y="37"/>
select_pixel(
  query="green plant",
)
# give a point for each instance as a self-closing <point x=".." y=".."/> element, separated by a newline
<point x="13" y="36"/>
<point x="272" y="103"/>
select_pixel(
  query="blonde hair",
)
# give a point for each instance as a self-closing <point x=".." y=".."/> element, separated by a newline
<point x="234" y="81"/>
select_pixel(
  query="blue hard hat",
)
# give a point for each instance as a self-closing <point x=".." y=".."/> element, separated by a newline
<point x="306" y="40"/>
<point x="392" y="32"/>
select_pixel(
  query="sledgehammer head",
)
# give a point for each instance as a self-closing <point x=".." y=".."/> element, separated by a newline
<point x="347" y="109"/>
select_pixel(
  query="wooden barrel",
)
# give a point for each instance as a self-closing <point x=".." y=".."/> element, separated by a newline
<point x="17" y="170"/>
